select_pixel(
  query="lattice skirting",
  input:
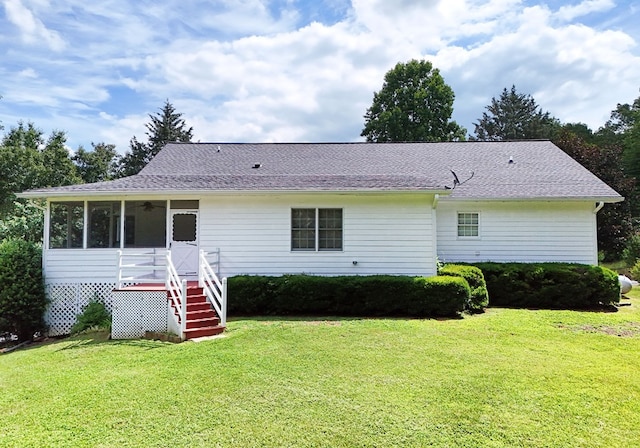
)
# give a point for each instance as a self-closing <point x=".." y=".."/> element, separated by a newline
<point x="68" y="300"/>
<point x="133" y="312"/>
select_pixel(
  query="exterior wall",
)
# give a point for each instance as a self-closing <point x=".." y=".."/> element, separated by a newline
<point x="384" y="234"/>
<point x="520" y="232"/>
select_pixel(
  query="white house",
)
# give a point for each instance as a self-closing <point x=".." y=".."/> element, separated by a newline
<point x="322" y="208"/>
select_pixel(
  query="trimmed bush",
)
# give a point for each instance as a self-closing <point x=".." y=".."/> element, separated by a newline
<point x="95" y="315"/>
<point x="22" y="296"/>
<point x="550" y="285"/>
<point x="479" y="297"/>
<point x="377" y="295"/>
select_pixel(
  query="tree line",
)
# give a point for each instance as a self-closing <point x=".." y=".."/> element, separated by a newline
<point x="413" y="105"/>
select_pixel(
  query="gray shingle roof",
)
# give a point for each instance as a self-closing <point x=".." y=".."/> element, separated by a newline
<point x="540" y="170"/>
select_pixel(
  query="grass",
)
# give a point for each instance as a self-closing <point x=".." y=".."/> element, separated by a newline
<point x="506" y="378"/>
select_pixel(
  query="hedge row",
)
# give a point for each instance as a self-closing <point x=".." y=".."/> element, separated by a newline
<point x="377" y="295"/>
<point x="479" y="298"/>
<point x="550" y="285"/>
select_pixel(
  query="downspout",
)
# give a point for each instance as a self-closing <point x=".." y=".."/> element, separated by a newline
<point x="436" y="198"/>
<point x="434" y="227"/>
<point x="598" y="207"/>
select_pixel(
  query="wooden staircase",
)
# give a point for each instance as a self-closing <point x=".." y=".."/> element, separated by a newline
<point x="202" y="319"/>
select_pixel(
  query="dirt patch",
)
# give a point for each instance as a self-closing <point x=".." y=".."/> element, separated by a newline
<point x="628" y="330"/>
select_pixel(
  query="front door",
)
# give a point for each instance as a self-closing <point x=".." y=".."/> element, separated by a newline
<point x="184" y="242"/>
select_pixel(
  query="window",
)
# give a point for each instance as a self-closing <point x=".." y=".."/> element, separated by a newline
<point x="468" y="225"/>
<point x="66" y="224"/>
<point x="316" y="229"/>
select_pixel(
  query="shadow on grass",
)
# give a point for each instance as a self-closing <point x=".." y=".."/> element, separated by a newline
<point x="144" y="344"/>
<point x="262" y="318"/>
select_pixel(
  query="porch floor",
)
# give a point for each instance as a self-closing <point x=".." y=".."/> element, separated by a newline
<point x="154" y="286"/>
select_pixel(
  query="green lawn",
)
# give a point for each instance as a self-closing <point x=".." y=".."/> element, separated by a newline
<point x="506" y="378"/>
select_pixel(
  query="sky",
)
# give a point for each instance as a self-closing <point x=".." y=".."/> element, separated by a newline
<point x="301" y="70"/>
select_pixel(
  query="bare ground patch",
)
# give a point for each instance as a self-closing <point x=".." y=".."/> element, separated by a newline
<point x="627" y="330"/>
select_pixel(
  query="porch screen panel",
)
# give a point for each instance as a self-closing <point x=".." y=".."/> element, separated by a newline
<point x="104" y="224"/>
<point x="145" y="224"/>
<point x="184" y="227"/>
<point x="66" y="225"/>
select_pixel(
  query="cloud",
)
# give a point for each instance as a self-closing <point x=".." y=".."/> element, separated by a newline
<point x="32" y="30"/>
<point x="254" y="70"/>
<point x="568" y="13"/>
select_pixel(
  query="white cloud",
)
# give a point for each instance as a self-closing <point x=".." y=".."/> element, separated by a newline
<point x="571" y="12"/>
<point x="241" y="71"/>
<point x="33" y="31"/>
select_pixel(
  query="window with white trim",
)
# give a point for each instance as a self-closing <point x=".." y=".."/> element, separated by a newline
<point x="316" y="229"/>
<point x="468" y="224"/>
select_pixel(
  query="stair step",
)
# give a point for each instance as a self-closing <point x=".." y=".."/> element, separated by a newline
<point x="193" y="324"/>
<point x="200" y="314"/>
<point x="200" y="306"/>
<point x="204" y="331"/>
<point x="196" y="298"/>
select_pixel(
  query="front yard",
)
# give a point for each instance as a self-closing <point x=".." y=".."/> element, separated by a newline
<point x="504" y="378"/>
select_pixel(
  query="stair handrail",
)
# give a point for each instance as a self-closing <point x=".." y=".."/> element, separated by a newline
<point x="177" y="292"/>
<point x="214" y="289"/>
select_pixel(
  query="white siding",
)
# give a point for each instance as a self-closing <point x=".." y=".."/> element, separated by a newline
<point x="384" y="234"/>
<point x="389" y="234"/>
<point x="89" y="265"/>
<point x="520" y="232"/>
<point x="80" y="265"/>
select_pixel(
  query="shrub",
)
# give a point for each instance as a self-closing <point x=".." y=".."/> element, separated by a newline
<point x="94" y="315"/>
<point x="479" y="297"/>
<point x="631" y="252"/>
<point x="635" y="270"/>
<point x="376" y="295"/>
<point x="22" y="296"/>
<point x="550" y="285"/>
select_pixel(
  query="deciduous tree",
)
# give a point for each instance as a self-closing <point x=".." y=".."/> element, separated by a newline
<point x="97" y="165"/>
<point x="413" y="105"/>
<point x="614" y="220"/>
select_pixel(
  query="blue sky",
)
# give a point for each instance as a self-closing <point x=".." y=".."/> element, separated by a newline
<point x="301" y="70"/>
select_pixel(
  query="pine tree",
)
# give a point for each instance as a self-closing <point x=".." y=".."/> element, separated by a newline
<point x="165" y="126"/>
<point x="515" y="116"/>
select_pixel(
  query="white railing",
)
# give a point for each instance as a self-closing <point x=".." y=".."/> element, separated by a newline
<point x="138" y="267"/>
<point x="177" y="292"/>
<point x="214" y="289"/>
<point x="141" y="267"/>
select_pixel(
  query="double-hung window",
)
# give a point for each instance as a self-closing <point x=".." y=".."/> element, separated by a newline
<point x="316" y="229"/>
<point x="468" y="225"/>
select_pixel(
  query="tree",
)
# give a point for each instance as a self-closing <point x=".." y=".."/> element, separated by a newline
<point x="515" y="116"/>
<point x="165" y="126"/>
<point x="28" y="161"/>
<point x="614" y="220"/>
<point x="97" y="165"/>
<point x="414" y="105"/>
<point x="623" y="129"/>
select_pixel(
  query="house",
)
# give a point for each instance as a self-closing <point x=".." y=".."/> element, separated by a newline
<point x="321" y="208"/>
